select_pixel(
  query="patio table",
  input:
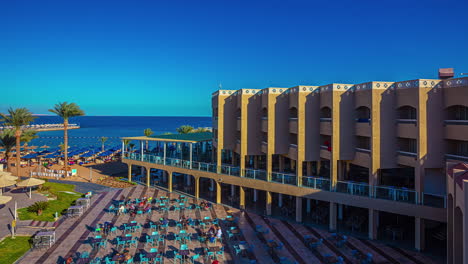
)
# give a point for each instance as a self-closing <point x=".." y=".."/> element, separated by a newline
<point x="83" y="261"/>
<point x="213" y="249"/>
<point x="126" y="238"/>
<point x="152" y="255"/>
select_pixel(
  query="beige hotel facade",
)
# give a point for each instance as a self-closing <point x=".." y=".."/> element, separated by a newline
<point x="374" y="159"/>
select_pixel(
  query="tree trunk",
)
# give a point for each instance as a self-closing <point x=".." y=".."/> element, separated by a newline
<point x="18" y="151"/>
<point x="65" y="142"/>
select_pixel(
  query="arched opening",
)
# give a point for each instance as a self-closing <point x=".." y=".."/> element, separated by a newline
<point x="325" y="114"/>
<point x="407" y="112"/>
<point x="363" y="114"/>
<point x="456" y="112"/>
<point x="293" y="113"/>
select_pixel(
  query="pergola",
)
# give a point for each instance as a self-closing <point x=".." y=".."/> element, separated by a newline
<point x="190" y="139"/>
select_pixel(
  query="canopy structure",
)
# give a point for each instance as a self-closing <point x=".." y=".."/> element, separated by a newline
<point x="4" y="199"/>
<point x="30" y="156"/>
<point x="187" y="138"/>
<point x="30" y="182"/>
<point x="5" y="182"/>
<point x="8" y="176"/>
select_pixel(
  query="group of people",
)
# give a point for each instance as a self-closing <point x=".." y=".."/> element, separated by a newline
<point x="205" y="205"/>
<point x="213" y="233"/>
<point x="132" y="207"/>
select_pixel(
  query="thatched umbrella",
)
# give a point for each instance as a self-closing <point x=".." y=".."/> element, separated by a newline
<point x="8" y="176"/>
<point x="30" y="182"/>
<point x="4" y="182"/>
<point x="4" y="199"/>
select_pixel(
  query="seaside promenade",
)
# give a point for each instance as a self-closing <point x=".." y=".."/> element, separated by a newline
<point x="44" y="127"/>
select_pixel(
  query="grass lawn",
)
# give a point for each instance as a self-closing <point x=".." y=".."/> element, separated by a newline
<point x="13" y="249"/>
<point x="64" y="200"/>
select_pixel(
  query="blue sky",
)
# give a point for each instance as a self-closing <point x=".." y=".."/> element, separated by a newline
<point x="167" y="57"/>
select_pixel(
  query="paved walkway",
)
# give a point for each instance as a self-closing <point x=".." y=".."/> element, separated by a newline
<point x="72" y="236"/>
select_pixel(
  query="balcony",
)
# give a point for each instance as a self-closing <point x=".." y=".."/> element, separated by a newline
<point x="407" y="158"/>
<point x="324" y="152"/>
<point x="292" y="153"/>
<point x="353" y="188"/>
<point x="456" y="157"/>
<point x="348" y="187"/>
<point x="316" y="183"/>
<point x="283" y="178"/>
<point x="293" y="125"/>
<point x="362" y="157"/>
<point x="264" y="124"/>
<point x="456" y="129"/>
<point x="264" y="147"/>
<point x="407" y="128"/>
<point x="363" y="129"/>
<point x="325" y="127"/>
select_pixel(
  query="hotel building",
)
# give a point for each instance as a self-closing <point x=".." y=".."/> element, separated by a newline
<point x="380" y="160"/>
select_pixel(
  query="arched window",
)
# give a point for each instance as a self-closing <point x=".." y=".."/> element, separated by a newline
<point x="325" y="113"/>
<point x="407" y="112"/>
<point x="457" y="112"/>
<point x="293" y="112"/>
<point x="363" y="114"/>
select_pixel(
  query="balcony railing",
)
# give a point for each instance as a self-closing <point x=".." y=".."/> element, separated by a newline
<point x="363" y="120"/>
<point x="255" y="174"/>
<point x="316" y="183"/>
<point x="456" y="157"/>
<point x="363" y="150"/>
<point x="325" y="119"/>
<point x="353" y="188"/>
<point x="406" y="153"/>
<point x="456" y="122"/>
<point x="283" y="178"/>
<point x="407" y="121"/>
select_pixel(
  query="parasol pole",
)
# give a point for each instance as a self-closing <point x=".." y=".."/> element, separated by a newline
<point x="30" y="194"/>
<point x="16" y="206"/>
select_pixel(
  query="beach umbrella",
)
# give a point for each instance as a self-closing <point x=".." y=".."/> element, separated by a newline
<point x="30" y="156"/>
<point x="30" y="182"/>
<point x="8" y="176"/>
<point x="4" y="199"/>
<point x="44" y="147"/>
<point x="4" y="182"/>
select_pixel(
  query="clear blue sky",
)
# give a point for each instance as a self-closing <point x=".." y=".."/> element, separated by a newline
<point x="151" y="57"/>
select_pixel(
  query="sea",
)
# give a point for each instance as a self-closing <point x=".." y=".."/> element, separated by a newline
<point x="112" y="127"/>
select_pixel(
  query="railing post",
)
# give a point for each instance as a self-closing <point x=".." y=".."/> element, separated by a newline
<point x="254" y="174"/>
<point x="315" y="183"/>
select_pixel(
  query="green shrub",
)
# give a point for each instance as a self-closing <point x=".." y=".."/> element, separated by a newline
<point x="38" y="207"/>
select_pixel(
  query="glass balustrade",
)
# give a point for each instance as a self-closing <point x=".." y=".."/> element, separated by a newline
<point x="396" y="194"/>
<point x="255" y="174"/>
<point x="283" y="178"/>
<point x="434" y="200"/>
<point x="352" y="188"/>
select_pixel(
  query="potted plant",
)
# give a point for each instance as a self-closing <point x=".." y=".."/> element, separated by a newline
<point x="38" y="207"/>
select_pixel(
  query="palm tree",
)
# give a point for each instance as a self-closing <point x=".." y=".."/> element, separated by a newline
<point x="66" y="110"/>
<point x="17" y="118"/>
<point x="7" y="141"/>
<point x="27" y="136"/>
<point x="131" y="146"/>
<point x="148" y="132"/>
<point x="126" y="142"/>
<point x="103" y="140"/>
<point x="185" y="129"/>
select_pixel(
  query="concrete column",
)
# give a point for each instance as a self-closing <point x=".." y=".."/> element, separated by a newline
<point x="242" y="197"/>
<point x="142" y="171"/>
<point x="308" y="205"/>
<point x="169" y="185"/>
<point x="281" y="163"/>
<point x="164" y="153"/>
<point x="189" y="180"/>
<point x="141" y="151"/>
<point x="123" y="149"/>
<point x="148" y="170"/>
<point x="255" y="195"/>
<point x="419" y="235"/>
<point x="191" y="148"/>
<point x="218" y="192"/>
<point x="319" y="163"/>
<point x="340" y="211"/>
<point x="280" y="200"/>
<point x="373" y="223"/>
<point x="298" y="209"/>
<point x="332" y="214"/>
<point x="164" y="176"/>
<point x="197" y="187"/>
<point x="268" y="203"/>
<point x="130" y="172"/>
<point x="309" y="168"/>
<point x="212" y="184"/>
<point x="233" y="190"/>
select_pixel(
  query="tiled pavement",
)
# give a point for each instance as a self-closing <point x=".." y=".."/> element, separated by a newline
<point x="72" y="235"/>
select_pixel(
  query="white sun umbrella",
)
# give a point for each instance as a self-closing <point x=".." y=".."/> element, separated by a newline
<point x="4" y="182"/>
<point x="8" y="176"/>
<point x="30" y="182"/>
<point x="4" y="199"/>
